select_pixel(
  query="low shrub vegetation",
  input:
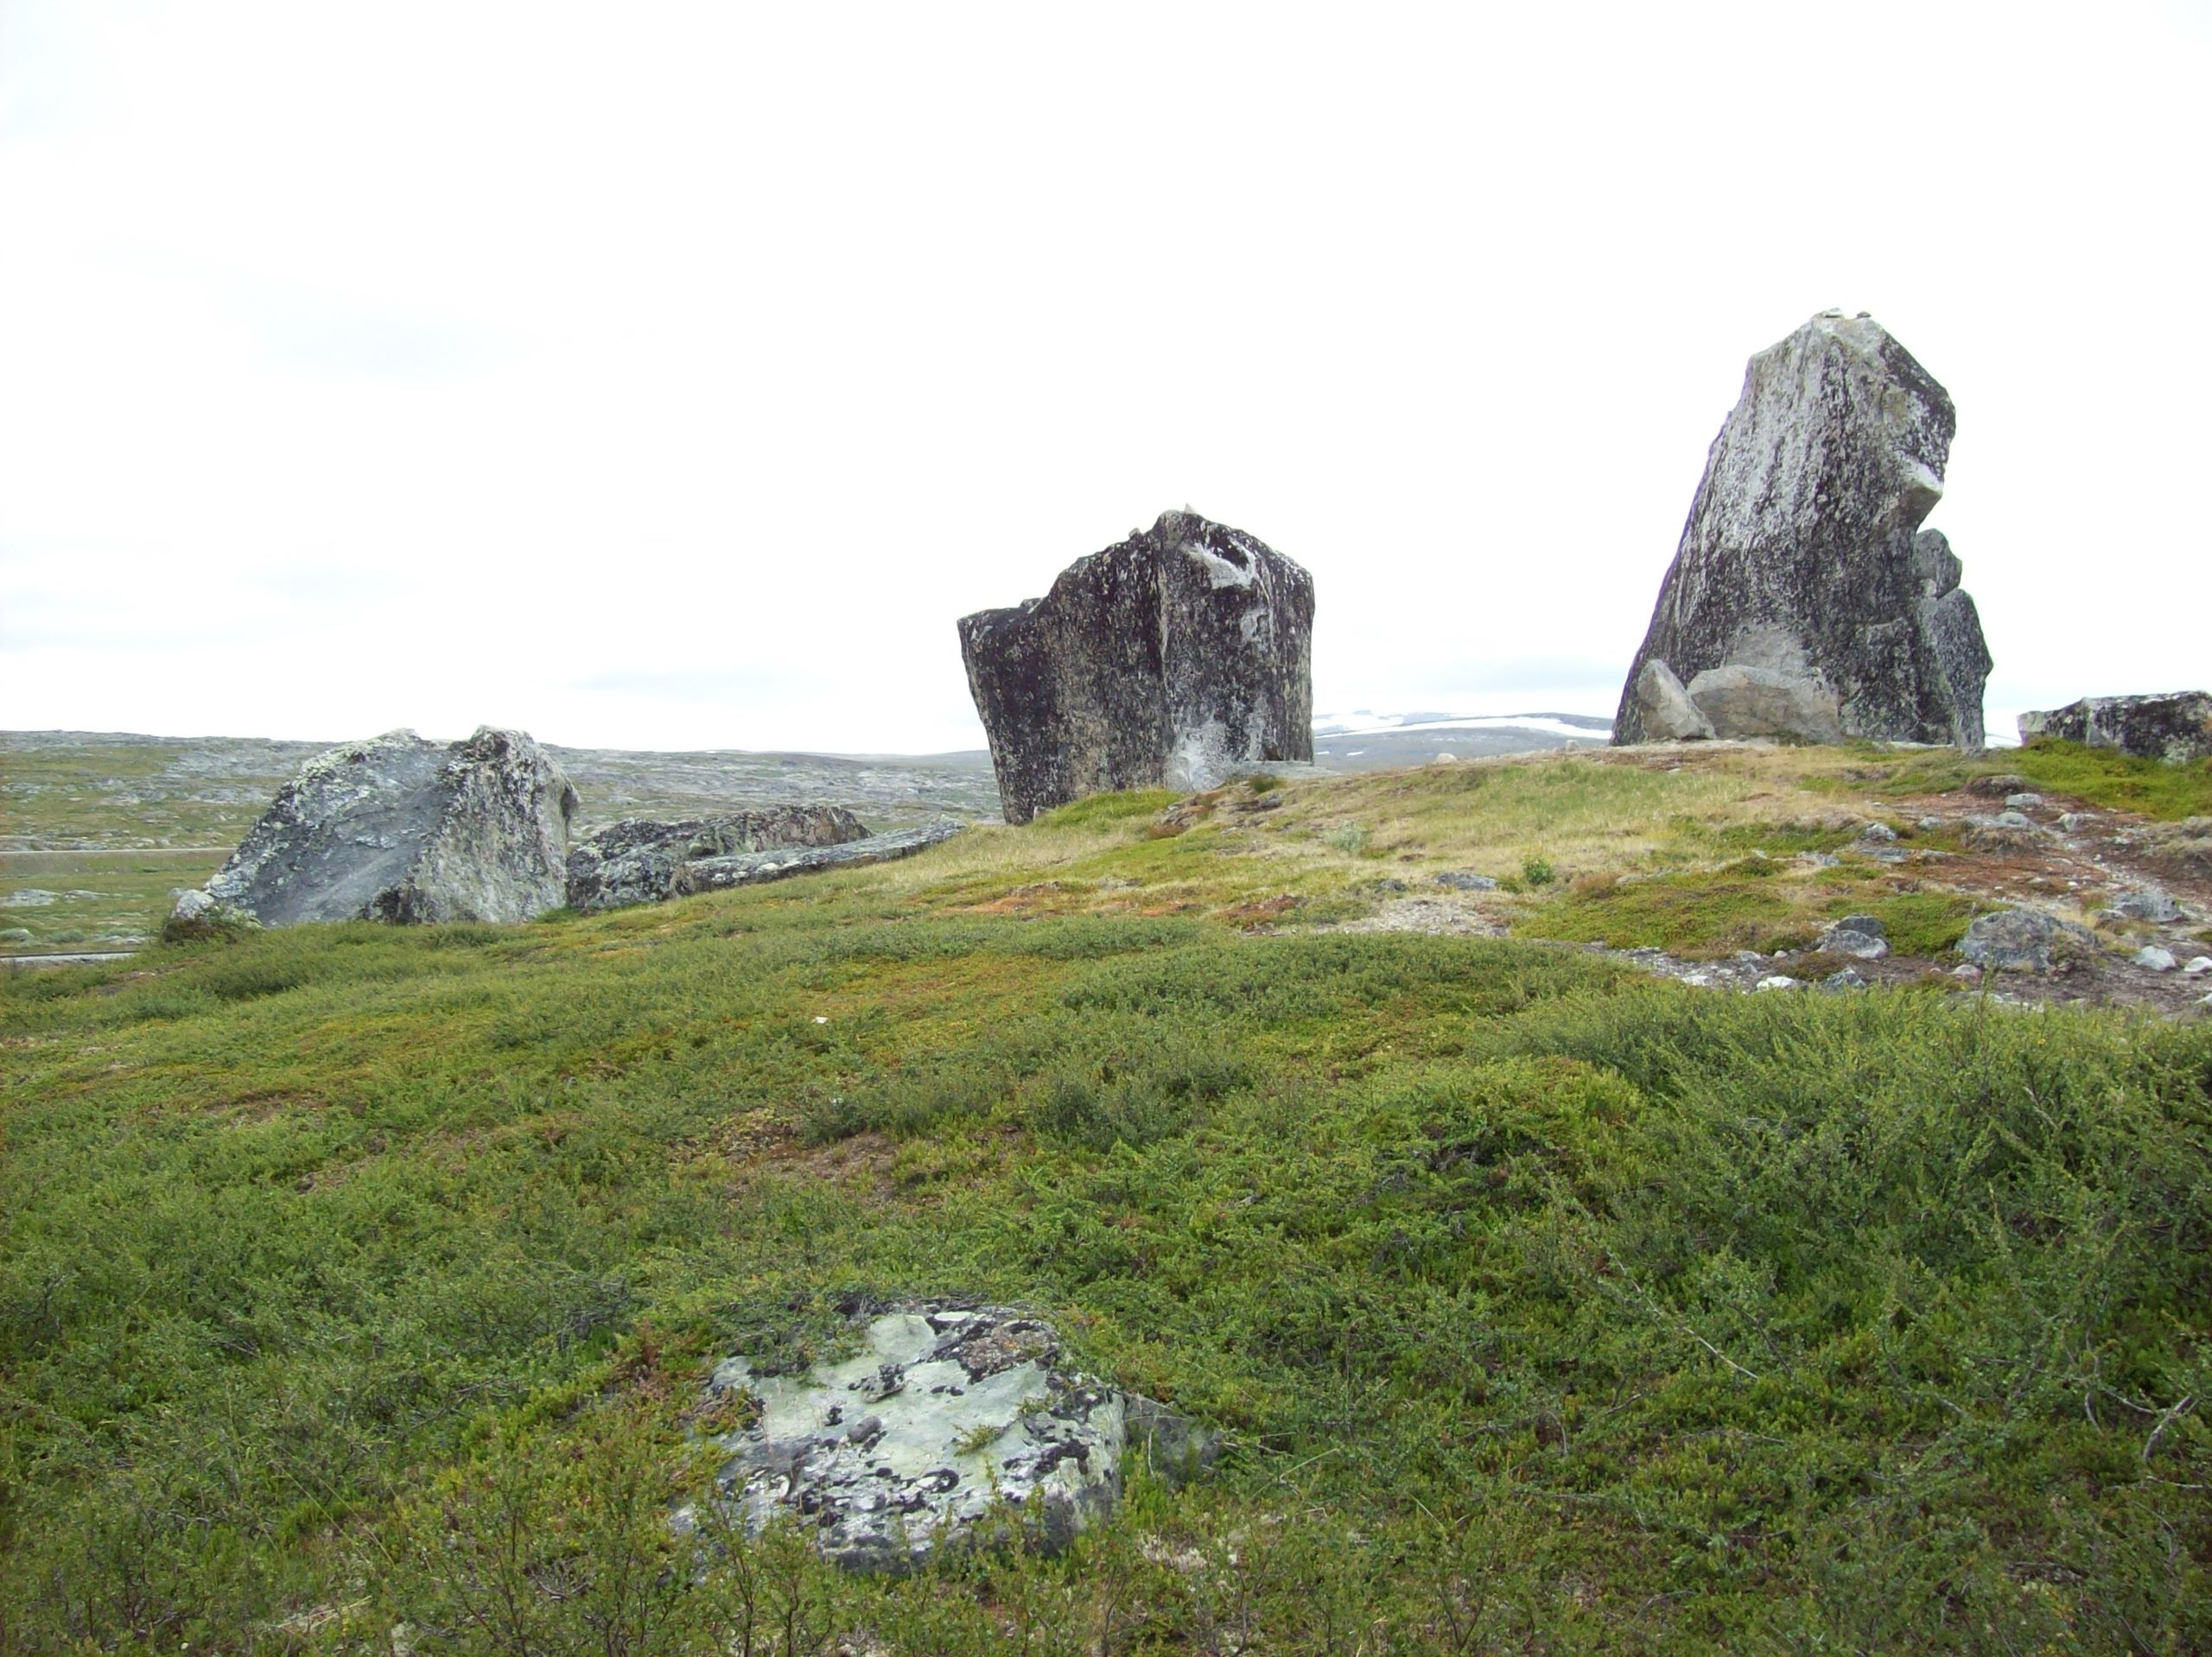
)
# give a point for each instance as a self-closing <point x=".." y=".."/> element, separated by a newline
<point x="358" y="1285"/>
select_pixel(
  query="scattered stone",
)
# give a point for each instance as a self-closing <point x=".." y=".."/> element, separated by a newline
<point x="397" y="829"/>
<point x="755" y="868"/>
<point x="1843" y="978"/>
<point x="1929" y="825"/>
<point x="1998" y="784"/>
<point x="1780" y="981"/>
<point x="2154" y="958"/>
<point x="2176" y="728"/>
<point x="1800" y="576"/>
<point x="2025" y="802"/>
<point x="945" y="1417"/>
<point x="2198" y="964"/>
<point x="2073" y="822"/>
<point x="1177" y="657"/>
<point x="635" y="860"/>
<point x="14" y="935"/>
<point x="1820" y="859"/>
<point x="1879" y="834"/>
<point x="1465" y="880"/>
<point x="1666" y="712"/>
<point x="2146" y="904"/>
<point x="1966" y="969"/>
<point x="2024" y="940"/>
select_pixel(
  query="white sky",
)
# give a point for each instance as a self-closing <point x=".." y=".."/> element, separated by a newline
<point x="662" y="375"/>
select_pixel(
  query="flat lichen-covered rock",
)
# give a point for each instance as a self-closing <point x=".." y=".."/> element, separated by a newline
<point x="1177" y="657"/>
<point x="2176" y="728"/>
<point x="1803" y="578"/>
<point x="398" y="828"/>
<point x="948" y="1422"/>
<point x="636" y="860"/>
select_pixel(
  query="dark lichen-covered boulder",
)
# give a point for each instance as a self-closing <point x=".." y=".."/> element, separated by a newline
<point x="1178" y="657"/>
<point x="1803" y="579"/>
<point x="2176" y="728"/>
<point x="636" y="860"/>
<point x="398" y="828"/>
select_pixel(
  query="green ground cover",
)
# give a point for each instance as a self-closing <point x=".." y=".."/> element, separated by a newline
<point x="100" y="899"/>
<point x="353" y="1278"/>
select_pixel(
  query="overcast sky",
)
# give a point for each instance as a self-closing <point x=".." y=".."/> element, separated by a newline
<point x="659" y="376"/>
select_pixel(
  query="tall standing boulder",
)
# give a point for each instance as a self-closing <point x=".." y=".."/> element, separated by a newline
<point x="1176" y="657"/>
<point x="401" y="830"/>
<point x="1804" y="583"/>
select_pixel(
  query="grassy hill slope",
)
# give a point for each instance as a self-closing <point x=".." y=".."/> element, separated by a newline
<point x="356" y="1284"/>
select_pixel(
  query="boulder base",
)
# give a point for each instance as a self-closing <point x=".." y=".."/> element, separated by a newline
<point x="1803" y="558"/>
<point x="1178" y="657"/>
<point x="401" y="829"/>
<point x="2176" y="728"/>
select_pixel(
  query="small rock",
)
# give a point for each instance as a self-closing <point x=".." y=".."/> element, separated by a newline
<point x="1879" y="833"/>
<point x="1928" y="825"/>
<point x="14" y="935"/>
<point x="1997" y="785"/>
<point x="2023" y="940"/>
<point x="1780" y="981"/>
<point x="2027" y="801"/>
<point x="1389" y="883"/>
<point x="2154" y="958"/>
<point x="1846" y="978"/>
<point x="2009" y="819"/>
<point x="1855" y="935"/>
<point x="2146" y="904"/>
<point x="2073" y="822"/>
<point x="1465" y="880"/>
<point x="1820" y="859"/>
<point x="198" y="916"/>
<point x="1966" y="969"/>
<point x="2198" y="964"/>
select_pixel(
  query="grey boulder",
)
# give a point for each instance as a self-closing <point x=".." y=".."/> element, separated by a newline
<point x="2176" y="728"/>
<point x="2024" y="940"/>
<point x="2146" y="904"/>
<point x="1742" y="701"/>
<point x="1177" y="658"/>
<point x="754" y="868"/>
<point x="398" y="828"/>
<point x="1664" y="707"/>
<point x="1803" y="563"/>
<point x="943" y="1422"/>
<point x="636" y="860"/>
<point x="1860" y="935"/>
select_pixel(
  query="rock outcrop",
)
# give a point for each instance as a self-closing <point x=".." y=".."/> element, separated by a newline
<point x="401" y="829"/>
<point x="2176" y="728"/>
<point x="1803" y="580"/>
<point x="636" y="860"/>
<point x="946" y="1422"/>
<point x="754" y="868"/>
<point x="1178" y="656"/>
